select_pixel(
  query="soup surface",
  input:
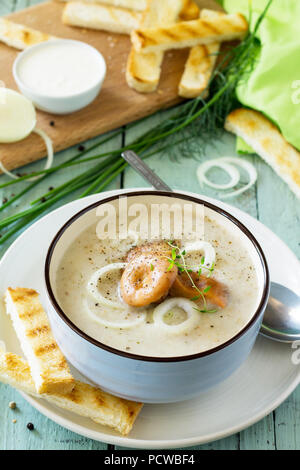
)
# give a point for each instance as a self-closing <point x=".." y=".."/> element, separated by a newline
<point x="88" y="291"/>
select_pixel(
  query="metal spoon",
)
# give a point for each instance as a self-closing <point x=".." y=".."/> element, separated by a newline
<point x="281" y="321"/>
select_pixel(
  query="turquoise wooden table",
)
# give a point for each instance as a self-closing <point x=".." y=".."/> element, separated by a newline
<point x="270" y="201"/>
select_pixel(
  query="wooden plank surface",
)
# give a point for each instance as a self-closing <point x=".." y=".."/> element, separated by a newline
<point x="270" y="201"/>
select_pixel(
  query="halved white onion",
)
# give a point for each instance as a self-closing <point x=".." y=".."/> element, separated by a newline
<point x="188" y="306"/>
<point x="49" y="160"/>
<point x="17" y="121"/>
<point x="227" y="164"/>
<point x="204" y="248"/>
<point x="17" y="116"/>
<point x="92" y="284"/>
<point x="140" y="318"/>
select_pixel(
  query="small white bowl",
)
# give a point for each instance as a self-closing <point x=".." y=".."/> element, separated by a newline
<point x="60" y="104"/>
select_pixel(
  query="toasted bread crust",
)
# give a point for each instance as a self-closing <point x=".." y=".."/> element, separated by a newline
<point x="138" y="5"/>
<point x="199" y="65"/>
<point x="143" y="69"/>
<point x="83" y="400"/>
<point x="107" y="18"/>
<point x="19" y="36"/>
<point x="268" y="143"/>
<point x="49" y="367"/>
<point x="190" y="11"/>
<point x="198" y="70"/>
<point x="190" y="33"/>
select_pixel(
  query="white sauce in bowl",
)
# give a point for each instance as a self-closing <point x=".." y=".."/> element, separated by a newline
<point x="61" y="68"/>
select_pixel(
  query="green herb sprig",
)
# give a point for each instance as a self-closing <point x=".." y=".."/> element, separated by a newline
<point x="183" y="267"/>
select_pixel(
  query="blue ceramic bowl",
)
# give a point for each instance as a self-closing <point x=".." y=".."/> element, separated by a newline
<point x="143" y="378"/>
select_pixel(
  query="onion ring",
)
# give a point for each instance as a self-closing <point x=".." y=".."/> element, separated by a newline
<point x="226" y="164"/>
<point x="92" y="284"/>
<point x="209" y="253"/>
<point x="187" y="305"/>
<point x="140" y="318"/>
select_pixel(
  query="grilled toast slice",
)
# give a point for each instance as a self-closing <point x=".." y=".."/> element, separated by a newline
<point x="138" y="5"/>
<point x="49" y="369"/>
<point x="83" y="400"/>
<point x="143" y="69"/>
<point x="190" y="33"/>
<point x="199" y="65"/>
<point x="107" y="18"/>
<point x="268" y="142"/>
<point x="19" y="36"/>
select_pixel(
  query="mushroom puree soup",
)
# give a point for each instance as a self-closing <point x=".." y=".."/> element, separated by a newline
<point x="162" y="298"/>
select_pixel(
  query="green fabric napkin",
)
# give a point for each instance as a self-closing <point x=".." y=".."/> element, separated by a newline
<point x="274" y="86"/>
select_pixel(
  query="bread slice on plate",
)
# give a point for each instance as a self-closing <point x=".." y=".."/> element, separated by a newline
<point x="190" y="33"/>
<point x="199" y="65"/>
<point x="49" y="369"/>
<point x="83" y="400"/>
<point x="144" y="69"/>
<point x="19" y="36"/>
<point x="138" y="5"/>
<point x="107" y="18"/>
<point x="268" y="142"/>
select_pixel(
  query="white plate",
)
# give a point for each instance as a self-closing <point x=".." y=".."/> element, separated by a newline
<point x="263" y="382"/>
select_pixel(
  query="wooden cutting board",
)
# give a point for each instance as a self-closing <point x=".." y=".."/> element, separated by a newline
<point x="116" y="105"/>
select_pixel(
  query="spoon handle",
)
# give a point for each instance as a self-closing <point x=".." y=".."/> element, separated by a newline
<point x="141" y="167"/>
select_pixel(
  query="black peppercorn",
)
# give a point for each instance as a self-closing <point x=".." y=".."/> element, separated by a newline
<point x="81" y="148"/>
<point x="30" y="426"/>
<point x="52" y="123"/>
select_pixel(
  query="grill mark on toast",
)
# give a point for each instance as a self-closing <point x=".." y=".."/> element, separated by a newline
<point x="210" y="28"/>
<point x="45" y="349"/>
<point x="145" y="39"/>
<point x="38" y="331"/>
<point x="21" y="294"/>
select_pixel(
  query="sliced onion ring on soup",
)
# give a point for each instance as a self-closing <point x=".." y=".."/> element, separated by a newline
<point x="192" y="320"/>
<point x="140" y="317"/>
<point x="93" y="282"/>
<point x="204" y="248"/>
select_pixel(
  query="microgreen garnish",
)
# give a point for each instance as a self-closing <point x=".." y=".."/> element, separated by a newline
<point x="195" y="298"/>
<point x="184" y="268"/>
<point x="206" y="311"/>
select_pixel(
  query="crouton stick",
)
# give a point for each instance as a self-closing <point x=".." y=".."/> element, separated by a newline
<point x="190" y="33"/>
<point x="199" y="65"/>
